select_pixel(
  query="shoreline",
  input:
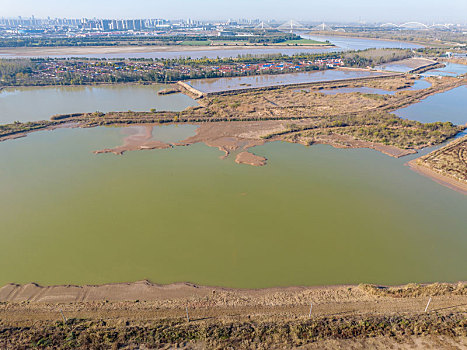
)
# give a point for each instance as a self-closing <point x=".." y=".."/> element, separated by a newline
<point x="351" y="36"/>
<point x="443" y="180"/>
<point x="149" y="291"/>
<point x="185" y="315"/>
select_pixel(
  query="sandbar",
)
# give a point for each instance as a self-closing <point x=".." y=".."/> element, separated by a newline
<point x="101" y="50"/>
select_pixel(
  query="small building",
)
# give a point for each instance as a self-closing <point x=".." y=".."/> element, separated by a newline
<point x="225" y="33"/>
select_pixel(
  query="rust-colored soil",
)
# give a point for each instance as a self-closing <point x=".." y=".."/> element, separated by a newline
<point x="139" y="138"/>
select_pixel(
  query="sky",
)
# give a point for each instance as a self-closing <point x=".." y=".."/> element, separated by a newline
<point x="426" y="11"/>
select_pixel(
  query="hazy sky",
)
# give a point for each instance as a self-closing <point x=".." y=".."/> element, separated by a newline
<point x="306" y="10"/>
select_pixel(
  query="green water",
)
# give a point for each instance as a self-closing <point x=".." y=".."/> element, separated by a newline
<point x="313" y="216"/>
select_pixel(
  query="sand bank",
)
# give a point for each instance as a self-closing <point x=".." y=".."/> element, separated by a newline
<point x="147" y="315"/>
<point x="139" y="138"/>
<point x="238" y="136"/>
<point x="439" y="178"/>
<point x="250" y="158"/>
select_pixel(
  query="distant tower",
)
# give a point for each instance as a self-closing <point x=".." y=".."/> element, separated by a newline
<point x="291" y="25"/>
<point x="263" y="26"/>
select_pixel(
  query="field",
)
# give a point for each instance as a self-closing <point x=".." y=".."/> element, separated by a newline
<point x="196" y="43"/>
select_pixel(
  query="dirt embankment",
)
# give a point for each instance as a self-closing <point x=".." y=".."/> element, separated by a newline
<point x="384" y="75"/>
<point x="447" y="165"/>
<point x="143" y="314"/>
<point x="438" y="177"/>
<point x="455" y="60"/>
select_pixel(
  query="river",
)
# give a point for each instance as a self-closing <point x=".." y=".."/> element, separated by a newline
<point x="341" y="43"/>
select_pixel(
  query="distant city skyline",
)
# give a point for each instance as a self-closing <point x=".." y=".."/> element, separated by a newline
<point x="426" y="11"/>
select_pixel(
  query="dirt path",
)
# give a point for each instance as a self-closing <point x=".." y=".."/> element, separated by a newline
<point x="142" y="313"/>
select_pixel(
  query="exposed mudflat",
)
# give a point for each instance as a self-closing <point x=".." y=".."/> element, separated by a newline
<point x="240" y="136"/>
<point x="96" y="50"/>
<point x="139" y="138"/>
<point x="250" y="158"/>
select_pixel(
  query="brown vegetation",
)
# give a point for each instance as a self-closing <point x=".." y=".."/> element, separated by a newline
<point x="303" y="116"/>
<point x="144" y="315"/>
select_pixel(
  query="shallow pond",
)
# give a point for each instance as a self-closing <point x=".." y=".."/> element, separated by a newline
<point x="447" y="106"/>
<point x="40" y="103"/>
<point x="418" y="85"/>
<point x="450" y="70"/>
<point x="225" y="84"/>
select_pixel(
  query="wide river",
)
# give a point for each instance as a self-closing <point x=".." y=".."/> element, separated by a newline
<point x="312" y="216"/>
<point x="341" y="44"/>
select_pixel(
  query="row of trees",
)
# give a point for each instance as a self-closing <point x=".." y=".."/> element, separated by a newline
<point x="11" y="70"/>
<point x="375" y="57"/>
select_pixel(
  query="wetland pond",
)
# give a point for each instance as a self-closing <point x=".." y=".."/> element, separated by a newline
<point x="449" y="106"/>
<point x="312" y="216"/>
<point x="40" y="103"/>
<point x="235" y="83"/>
<point x="450" y="70"/>
<point x="418" y="85"/>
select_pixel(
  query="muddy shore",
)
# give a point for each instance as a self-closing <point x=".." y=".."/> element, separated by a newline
<point x="437" y="177"/>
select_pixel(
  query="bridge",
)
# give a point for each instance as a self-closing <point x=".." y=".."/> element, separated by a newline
<point x="415" y="25"/>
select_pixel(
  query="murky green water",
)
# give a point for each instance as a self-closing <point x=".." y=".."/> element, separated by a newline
<point x="312" y="216"/>
<point x="40" y="103"/>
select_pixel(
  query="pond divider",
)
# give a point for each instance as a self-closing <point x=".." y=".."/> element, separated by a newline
<point x="191" y="91"/>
